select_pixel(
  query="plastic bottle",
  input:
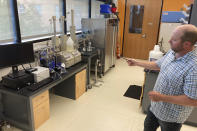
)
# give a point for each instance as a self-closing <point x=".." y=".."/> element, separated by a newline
<point x="155" y="54"/>
<point x="70" y="45"/>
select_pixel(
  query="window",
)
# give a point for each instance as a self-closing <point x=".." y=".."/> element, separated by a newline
<point x="136" y="19"/>
<point x="80" y="8"/>
<point x="6" y="27"/>
<point x="95" y="9"/>
<point x="35" y="15"/>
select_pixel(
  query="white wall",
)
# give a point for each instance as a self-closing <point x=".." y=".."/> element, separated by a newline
<point x="165" y="33"/>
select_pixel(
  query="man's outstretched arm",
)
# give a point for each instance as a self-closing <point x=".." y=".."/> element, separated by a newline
<point x="146" y="64"/>
<point x="179" y="100"/>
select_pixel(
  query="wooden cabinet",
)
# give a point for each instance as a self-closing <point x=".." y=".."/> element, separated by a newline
<point x="41" y="108"/>
<point x="80" y="83"/>
<point x="73" y="87"/>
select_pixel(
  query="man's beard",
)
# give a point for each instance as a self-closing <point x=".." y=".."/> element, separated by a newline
<point x="178" y="49"/>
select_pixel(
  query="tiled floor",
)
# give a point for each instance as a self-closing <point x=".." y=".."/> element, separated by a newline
<point x="102" y="108"/>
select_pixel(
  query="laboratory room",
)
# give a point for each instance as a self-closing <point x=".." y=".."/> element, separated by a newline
<point x="98" y="65"/>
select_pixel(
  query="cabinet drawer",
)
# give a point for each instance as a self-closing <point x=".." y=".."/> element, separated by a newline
<point x="42" y="98"/>
<point x="41" y="114"/>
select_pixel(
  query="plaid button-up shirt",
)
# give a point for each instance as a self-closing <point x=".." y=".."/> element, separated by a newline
<point x="176" y="77"/>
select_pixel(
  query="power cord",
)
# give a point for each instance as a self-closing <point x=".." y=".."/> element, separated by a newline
<point x="59" y="75"/>
<point x="23" y="67"/>
<point x="30" y="65"/>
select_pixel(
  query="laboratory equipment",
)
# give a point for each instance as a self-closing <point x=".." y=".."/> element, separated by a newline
<point x="104" y="34"/>
<point x="77" y="56"/>
<point x="55" y="38"/>
<point x="63" y="37"/>
<point x="67" y="58"/>
<point x="69" y="54"/>
<point x="41" y="73"/>
<point x="73" y="30"/>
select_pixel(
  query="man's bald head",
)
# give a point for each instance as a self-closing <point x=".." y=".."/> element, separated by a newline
<point x="189" y="33"/>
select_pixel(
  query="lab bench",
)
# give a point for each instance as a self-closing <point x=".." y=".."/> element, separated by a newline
<point x="27" y="110"/>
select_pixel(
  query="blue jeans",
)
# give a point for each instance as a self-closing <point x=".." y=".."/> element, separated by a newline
<point x="151" y="123"/>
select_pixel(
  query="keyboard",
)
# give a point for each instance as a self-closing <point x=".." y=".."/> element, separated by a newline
<point x="40" y="84"/>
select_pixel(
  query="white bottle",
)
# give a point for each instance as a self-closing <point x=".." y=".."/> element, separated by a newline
<point x="70" y="45"/>
<point x="155" y="54"/>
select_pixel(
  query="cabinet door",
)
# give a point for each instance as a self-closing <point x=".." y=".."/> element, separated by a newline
<point x="36" y="101"/>
<point x="41" y="114"/>
<point x="41" y="109"/>
<point x="80" y="83"/>
<point x="150" y="79"/>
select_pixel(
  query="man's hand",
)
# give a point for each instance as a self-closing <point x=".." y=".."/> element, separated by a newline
<point x="155" y="96"/>
<point x="141" y="63"/>
<point x="131" y="62"/>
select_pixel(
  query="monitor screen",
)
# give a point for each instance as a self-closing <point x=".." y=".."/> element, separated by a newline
<point x="16" y="54"/>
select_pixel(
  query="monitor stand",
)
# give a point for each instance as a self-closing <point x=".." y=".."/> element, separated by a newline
<point x="16" y="73"/>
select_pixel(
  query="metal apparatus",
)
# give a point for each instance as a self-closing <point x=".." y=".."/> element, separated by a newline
<point x="67" y="56"/>
<point x="63" y="37"/>
<point x="67" y="59"/>
<point x="104" y="32"/>
<point x="73" y="30"/>
<point x="77" y="56"/>
<point x="55" y="39"/>
<point x="75" y="53"/>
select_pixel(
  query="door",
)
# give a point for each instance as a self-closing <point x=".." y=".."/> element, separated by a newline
<point x="141" y="27"/>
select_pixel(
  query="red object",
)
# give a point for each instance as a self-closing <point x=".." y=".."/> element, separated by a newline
<point x="118" y="51"/>
<point x="113" y="9"/>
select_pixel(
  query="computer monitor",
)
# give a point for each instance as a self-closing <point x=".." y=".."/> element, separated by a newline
<point x="16" y="54"/>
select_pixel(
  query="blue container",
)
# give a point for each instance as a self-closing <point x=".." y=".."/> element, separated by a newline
<point x="105" y="9"/>
<point x="172" y="16"/>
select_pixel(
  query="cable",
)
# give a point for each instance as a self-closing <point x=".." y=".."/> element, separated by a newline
<point x="59" y="75"/>
<point x="30" y="65"/>
<point x="23" y="67"/>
